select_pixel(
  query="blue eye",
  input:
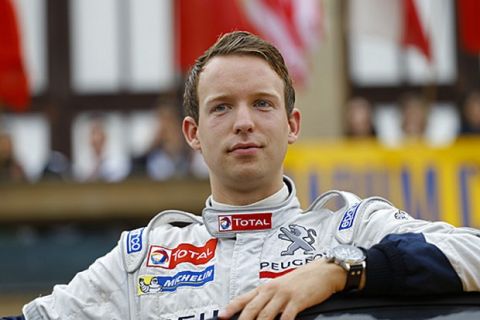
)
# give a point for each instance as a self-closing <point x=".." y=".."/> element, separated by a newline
<point x="219" y="108"/>
<point x="262" y="104"/>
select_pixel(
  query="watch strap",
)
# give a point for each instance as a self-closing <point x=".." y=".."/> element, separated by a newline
<point x="354" y="276"/>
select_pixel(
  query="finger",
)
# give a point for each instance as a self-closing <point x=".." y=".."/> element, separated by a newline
<point x="290" y="312"/>
<point x="273" y="308"/>
<point x="253" y="307"/>
<point x="237" y="304"/>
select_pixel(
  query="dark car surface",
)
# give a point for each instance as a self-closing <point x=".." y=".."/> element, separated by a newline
<point x="464" y="306"/>
<point x="461" y="306"/>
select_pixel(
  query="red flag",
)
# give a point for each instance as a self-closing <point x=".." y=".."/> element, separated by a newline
<point x="396" y="20"/>
<point x="201" y="22"/>
<point x="469" y="25"/>
<point x="293" y="26"/>
<point x="13" y="80"/>
<point x="413" y="32"/>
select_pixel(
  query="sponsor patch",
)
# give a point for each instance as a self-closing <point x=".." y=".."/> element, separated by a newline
<point x="269" y="269"/>
<point x="245" y="222"/>
<point x="155" y="284"/>
<point x="161" y="257"/>
<point x="134" y="241"/>
<point x="402" y="215"/>
<point x="349" y="217"/>
<point x="299" y="237"/>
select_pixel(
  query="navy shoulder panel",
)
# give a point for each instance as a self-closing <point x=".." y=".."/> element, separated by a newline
<point x="405" y="264"/>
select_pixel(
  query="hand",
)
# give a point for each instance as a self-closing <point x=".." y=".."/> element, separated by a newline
<point x="290" y="294"/>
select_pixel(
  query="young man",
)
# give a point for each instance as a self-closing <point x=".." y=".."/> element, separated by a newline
<point x="254" y="250"/>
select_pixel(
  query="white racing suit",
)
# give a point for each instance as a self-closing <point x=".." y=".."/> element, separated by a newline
<point x="184" y="267"/>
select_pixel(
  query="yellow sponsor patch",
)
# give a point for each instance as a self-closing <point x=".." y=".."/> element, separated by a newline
<point x="154" y="284"/>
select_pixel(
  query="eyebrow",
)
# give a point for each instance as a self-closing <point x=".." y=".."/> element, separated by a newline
<point x="223" y="97"/>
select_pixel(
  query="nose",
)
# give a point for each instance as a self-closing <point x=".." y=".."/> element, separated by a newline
<point x="243" y="120"/>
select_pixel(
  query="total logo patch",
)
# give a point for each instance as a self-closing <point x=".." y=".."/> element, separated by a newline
<point x="155" y="284"/>
<point x="245" y="222"/>
<point x="161" y="257"/>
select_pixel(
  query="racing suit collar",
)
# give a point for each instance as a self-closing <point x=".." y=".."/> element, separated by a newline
<point x="226" y="221"/>
<point x="272" y="200"/>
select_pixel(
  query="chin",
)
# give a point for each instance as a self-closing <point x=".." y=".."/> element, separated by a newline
<point x="249" y="174"/>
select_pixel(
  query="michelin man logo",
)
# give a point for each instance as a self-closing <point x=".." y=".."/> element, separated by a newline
<point x="300" y="238"/>
<point x="152" y="287"/>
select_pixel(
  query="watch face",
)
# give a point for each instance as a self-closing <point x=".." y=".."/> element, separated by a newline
<point x="348" y="253"/>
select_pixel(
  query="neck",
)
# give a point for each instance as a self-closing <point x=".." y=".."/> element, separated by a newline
<point x="240" y="194"/>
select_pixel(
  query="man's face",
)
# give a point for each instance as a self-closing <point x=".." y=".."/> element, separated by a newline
<point x="243" y="129"/>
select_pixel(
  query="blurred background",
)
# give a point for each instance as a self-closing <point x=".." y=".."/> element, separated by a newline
<point x="90" y="114"/>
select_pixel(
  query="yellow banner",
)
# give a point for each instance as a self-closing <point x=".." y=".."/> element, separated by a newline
<point x="429" y="183"/>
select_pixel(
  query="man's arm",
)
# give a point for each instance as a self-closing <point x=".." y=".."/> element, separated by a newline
<point x="404" y="256"/>
<point x="411" y="256"/>
<point x="401" y="264"/>
<point x="290" y="294"/>
<point x="96" y="293"/>
<point x="406" y="264"/>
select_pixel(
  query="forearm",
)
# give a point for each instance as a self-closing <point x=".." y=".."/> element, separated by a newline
<point x="405" y="265"/>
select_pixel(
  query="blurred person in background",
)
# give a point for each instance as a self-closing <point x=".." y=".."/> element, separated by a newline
<point x="415" y="111"/>
<point x="359" y="118"/>
<point x="10" y="168"/>
<point x="471" y="114"/>
<point x="97" y="139"/>
<point x="168" y="155"/>
<point x="105" y="166"/>
<point x="254" y="249"/>
<point x="57" y="167"/>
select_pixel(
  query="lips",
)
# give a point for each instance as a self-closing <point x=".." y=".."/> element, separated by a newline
<point x="244" y="146"/>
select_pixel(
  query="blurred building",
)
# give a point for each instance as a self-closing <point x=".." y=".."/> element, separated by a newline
<point x="117" y="58"/>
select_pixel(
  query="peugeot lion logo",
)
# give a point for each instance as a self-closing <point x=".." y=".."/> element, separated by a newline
<point x="300" y="238"/>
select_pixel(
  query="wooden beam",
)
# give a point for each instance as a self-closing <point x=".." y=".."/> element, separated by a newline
<point x="135" y="198"/>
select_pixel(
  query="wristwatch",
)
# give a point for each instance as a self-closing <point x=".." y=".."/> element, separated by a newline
<point x="352" y="259"/>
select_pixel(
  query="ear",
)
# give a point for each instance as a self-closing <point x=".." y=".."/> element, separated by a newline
<point x="294" y="125"/>
<point x="190" y="132"/>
